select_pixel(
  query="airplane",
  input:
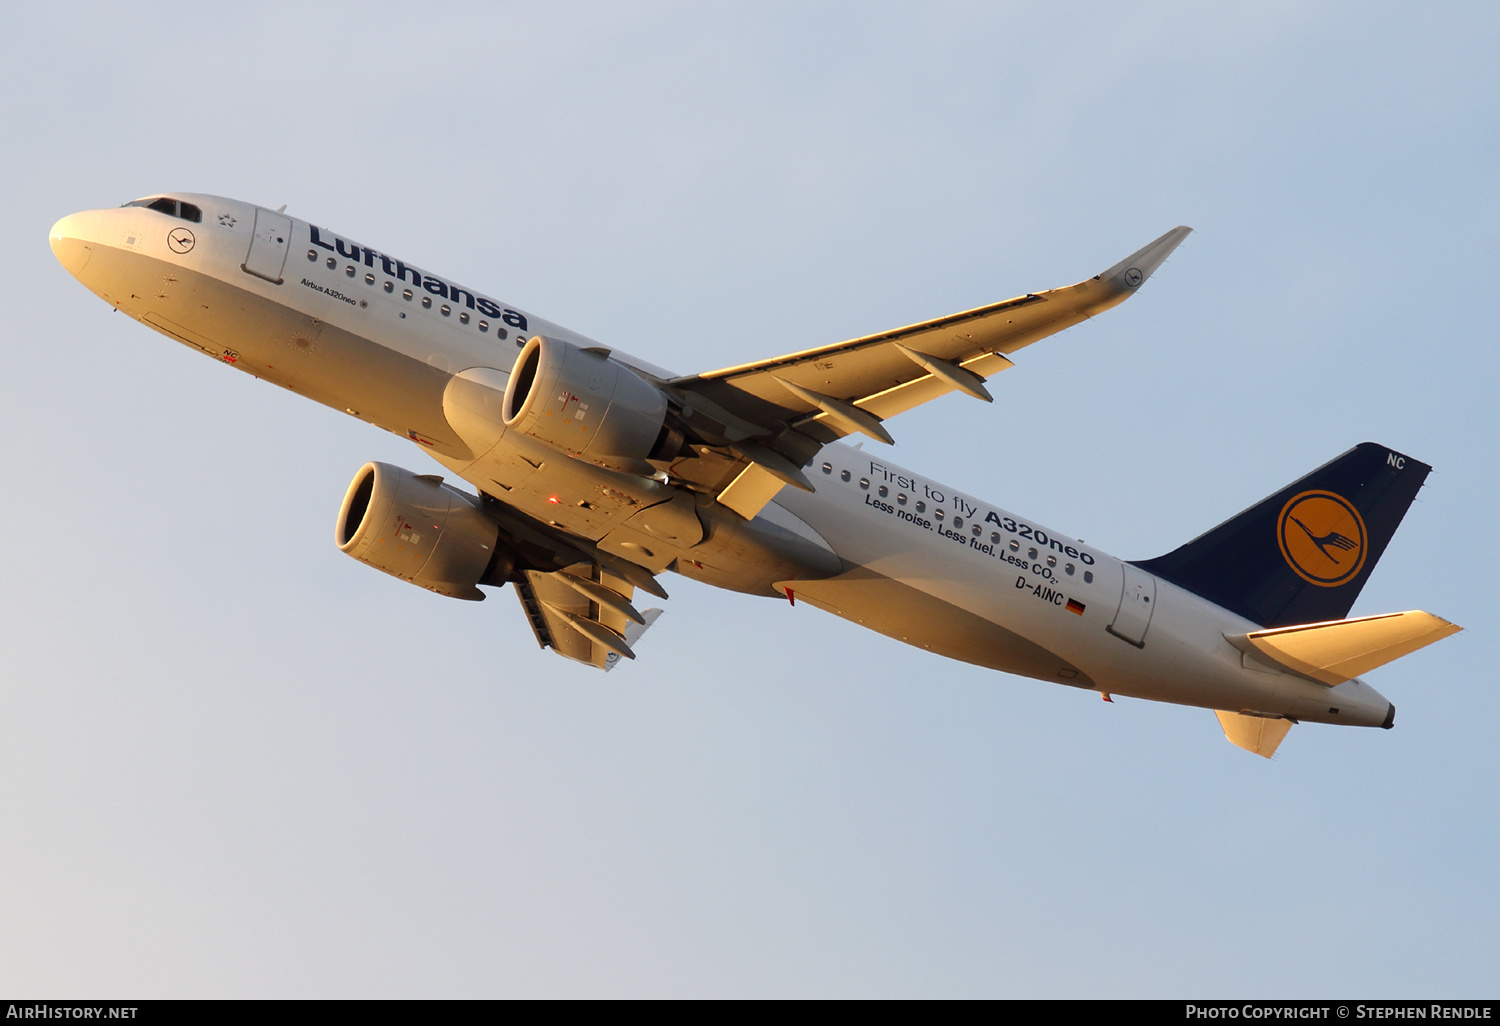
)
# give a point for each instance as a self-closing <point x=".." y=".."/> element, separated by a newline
<point x="596" y="472"/>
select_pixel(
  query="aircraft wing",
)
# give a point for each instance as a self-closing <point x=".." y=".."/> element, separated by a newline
<point x="583" y="613"/>
<point x="776" y="414"/>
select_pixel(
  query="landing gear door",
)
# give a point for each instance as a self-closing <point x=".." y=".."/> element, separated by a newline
<point x="1137" y="598"/>
<point x="269" y="245"/>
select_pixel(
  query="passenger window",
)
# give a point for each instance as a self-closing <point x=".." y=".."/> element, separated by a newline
<point x="445" y="310"/>
<point x="390" y="286"/>
<point x="1031" y="553"/>
<point x="864" y="483"/>
<point x="332" y="263"/>
<point x="1015" y="546"/>
<point x="921" y="506"/>
<point x="406" y="294"/>
<point x="369" y="278"/>
<point x="884" y="491"/>
<point x="501" y="333"/>
<point x="463" y="317"/>
<point x="976" y="530"/>
<point x="1088" y="577"/>
<point x="994" y="537"/>
<point x="349" y="271"/>
<point x="958" y="523"/>
<point x="312" y="255"/>
<point x="828" y="468"/>
<point x="940" y="513"/>
<point x="843" y="475"/>
<point x="1051" y="560"/>
<point x="427" y="302"/>
<point x="484" y="325"/>
<point x="901" y="499"/>
<point x="1068" y="569"/>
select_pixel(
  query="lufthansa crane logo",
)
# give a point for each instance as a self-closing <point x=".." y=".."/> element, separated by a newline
<point x="180" y="240"/>
<point x="1322" y="538"/>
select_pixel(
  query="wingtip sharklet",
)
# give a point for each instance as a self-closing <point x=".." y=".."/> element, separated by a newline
<point x="1131" y="272"/>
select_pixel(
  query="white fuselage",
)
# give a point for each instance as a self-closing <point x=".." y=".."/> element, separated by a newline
<point x="363" y="332"/>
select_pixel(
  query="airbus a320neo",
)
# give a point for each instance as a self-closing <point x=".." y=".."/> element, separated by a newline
<point x="595" y="472"/>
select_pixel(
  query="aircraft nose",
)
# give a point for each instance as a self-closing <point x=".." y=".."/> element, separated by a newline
<point x="70" y="244"/>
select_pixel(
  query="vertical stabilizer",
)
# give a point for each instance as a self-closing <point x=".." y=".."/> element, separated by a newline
<point x="1302" y="555"/>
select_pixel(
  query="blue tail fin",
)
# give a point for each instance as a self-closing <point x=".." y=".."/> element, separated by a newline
<point x="1303" y="554"/>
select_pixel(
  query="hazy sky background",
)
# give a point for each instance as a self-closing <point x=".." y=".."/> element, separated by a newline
<point x="235" y="762"/>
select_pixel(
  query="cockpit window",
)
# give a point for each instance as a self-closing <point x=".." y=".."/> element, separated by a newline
<point x="167" y="205"/>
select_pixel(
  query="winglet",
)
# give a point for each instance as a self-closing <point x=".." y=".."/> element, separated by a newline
<point x="1128" y="274"/>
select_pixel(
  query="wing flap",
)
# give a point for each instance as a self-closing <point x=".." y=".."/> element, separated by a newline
<point x="548" y="627"/>
<point x="911" y="394"/>
<point x="1340" y="650"/>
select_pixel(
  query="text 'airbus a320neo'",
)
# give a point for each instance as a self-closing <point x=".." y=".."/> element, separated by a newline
<point x="596" y="472"/>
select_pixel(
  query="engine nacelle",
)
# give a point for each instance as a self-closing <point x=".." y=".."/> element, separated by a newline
<point x="414" y="527"/>
<point x="587" y="405"/>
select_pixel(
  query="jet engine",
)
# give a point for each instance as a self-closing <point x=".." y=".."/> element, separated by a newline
<point x="414" y="527"/>
<point x="584" y="403"/>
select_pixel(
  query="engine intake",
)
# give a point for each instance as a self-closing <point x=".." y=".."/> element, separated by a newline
<point x="587" y="405"/>
<point x="414" y="527"/>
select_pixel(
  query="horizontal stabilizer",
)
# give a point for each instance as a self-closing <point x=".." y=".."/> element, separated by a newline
<point x="1258" y="734"/>
<point x="1339" y="650"/>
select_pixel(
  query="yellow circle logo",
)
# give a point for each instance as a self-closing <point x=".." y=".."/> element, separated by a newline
<point x="1322" y="537"/>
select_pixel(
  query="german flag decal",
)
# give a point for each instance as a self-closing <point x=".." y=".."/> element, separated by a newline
<point x="1074" y="606"/>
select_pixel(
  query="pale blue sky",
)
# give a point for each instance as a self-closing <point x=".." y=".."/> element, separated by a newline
<point x="236" y="762"/>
